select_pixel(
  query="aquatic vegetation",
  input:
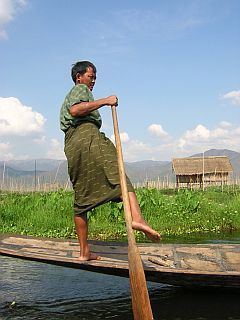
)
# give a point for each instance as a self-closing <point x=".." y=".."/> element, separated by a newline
<point x="172" y="212"/>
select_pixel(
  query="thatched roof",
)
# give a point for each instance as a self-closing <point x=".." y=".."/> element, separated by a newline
<point x="191" y="166"/>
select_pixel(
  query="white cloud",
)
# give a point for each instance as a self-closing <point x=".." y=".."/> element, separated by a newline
<point x="3" y="34"/>
<point x="219" y="133"/>
<point x="8" y="10"/>
<point x="5" y="151"/>
<point x="17" y="149"/>
<point x="56" y="150"/>
<point x="233" y="96"/>
<point x="17" y="119"/>
<point x="123" y="136"/>
<point x="136" y="150"/>
<point x="40" y="140"/>
<point x="197" y="134"/>
<point x="224" y="136"/>
<point x="157" y="131"/>
<point x="132" y="149"/>
<point x="224" y="124"/>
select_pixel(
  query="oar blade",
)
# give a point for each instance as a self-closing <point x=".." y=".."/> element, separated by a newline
<point x="140" y="298"/>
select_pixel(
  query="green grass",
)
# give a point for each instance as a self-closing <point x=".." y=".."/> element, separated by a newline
<point x="170" y="212"/>
<point x="41" y="214"/>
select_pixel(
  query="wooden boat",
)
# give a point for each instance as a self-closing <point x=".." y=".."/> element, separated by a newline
<point x="191" y="266"/>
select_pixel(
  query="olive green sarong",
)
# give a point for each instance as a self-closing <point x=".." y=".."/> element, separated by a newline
<point x="92" y="167"/>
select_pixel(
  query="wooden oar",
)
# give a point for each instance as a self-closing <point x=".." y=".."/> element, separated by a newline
<point x="139" y="292"/>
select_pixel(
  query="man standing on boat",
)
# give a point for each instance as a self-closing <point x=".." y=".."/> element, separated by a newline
<point x="91" y="156"/>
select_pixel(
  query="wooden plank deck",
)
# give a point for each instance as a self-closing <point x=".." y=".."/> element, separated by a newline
<point x="191" y="266"/>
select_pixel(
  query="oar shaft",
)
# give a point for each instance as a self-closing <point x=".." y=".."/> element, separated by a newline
<point x="122" y="175"/>
<point x="140" y="297"/>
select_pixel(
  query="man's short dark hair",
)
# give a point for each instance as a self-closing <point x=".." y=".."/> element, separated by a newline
<point x="81" y="67"/>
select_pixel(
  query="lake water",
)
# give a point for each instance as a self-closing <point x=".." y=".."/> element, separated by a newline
<point x="31" y="290"/>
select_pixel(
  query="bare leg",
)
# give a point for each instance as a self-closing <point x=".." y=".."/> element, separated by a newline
<point x="81" y="225"/>
<point x="138" y="222"/>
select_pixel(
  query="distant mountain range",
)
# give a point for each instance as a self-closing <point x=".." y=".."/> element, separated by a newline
<point x="55" y="171"/>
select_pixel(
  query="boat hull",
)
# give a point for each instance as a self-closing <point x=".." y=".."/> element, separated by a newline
<point x="194" y="266"/>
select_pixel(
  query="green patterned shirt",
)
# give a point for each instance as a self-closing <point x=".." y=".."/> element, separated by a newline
<point x="79" y="93"/>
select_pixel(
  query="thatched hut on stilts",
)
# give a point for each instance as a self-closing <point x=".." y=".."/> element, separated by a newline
<point x="201" y="171"/>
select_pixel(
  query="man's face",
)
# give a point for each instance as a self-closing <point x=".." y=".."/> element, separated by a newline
<point x="88" y="78"/>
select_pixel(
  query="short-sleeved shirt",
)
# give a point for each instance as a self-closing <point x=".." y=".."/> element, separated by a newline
<point x="79" y="93"/>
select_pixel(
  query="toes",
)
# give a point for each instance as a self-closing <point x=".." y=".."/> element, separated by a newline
<point x="153" y="236"/>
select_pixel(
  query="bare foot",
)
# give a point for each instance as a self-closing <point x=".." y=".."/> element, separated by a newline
<point x="145" y="228"/>
<point x="91" y="256"/>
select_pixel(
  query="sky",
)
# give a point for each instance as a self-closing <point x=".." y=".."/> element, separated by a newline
<point x="174" y="65"/>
